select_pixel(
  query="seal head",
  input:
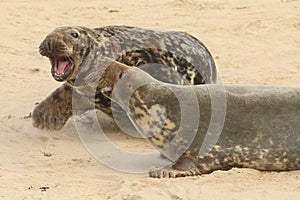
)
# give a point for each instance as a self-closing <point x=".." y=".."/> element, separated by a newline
<point x="66" y="48"/>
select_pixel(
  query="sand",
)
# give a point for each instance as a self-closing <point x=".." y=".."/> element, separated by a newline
<point x="252" y="41"/>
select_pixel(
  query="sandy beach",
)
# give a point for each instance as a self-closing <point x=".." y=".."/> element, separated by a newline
<point x="252" y="41"/>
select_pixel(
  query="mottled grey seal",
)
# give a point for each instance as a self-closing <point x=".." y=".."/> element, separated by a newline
<point x="68" y="49"/>
<point x="261" y="129"/>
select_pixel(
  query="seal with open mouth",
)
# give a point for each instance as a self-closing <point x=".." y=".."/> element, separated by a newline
<point x="170" y="56"/>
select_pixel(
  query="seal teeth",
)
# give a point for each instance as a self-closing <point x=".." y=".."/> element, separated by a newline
<point x="60" y="74"/>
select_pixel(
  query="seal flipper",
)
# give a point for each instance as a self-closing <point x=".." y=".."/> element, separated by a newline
<point x="54" y="111"/>
<point x="183" y="167"/>
<point x="190" y="164"/>
<point x="173" y="173"/>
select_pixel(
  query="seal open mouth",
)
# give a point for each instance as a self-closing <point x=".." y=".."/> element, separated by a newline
<point x="62" y="67"/>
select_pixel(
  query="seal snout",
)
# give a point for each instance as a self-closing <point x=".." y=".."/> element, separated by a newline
<point x="52" y="46"/>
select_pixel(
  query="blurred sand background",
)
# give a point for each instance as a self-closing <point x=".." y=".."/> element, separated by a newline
<point x="252" y="41"/>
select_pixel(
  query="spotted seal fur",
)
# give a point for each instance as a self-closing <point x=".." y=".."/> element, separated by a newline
<point x="68" y="49"/>
<point x="261" y="129"/>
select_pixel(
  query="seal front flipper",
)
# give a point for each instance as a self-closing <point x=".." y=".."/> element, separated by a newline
<point x="53" y="112"/>
<point x="190" y="164"/>
<point x="185" y="166"/>
<point x="173" y="173"/>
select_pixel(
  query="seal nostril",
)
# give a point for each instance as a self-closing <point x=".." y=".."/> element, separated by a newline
<point x="50" y="37"/>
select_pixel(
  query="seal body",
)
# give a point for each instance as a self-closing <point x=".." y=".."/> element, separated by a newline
<point x="260" y="130"/>
<point x="170" y="56"/>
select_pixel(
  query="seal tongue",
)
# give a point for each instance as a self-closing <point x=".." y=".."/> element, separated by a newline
<point x="60" y="65"/>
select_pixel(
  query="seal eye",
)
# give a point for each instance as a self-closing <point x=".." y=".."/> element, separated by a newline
<point x="74" y="35"/>
<point x="120" y="75"/>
